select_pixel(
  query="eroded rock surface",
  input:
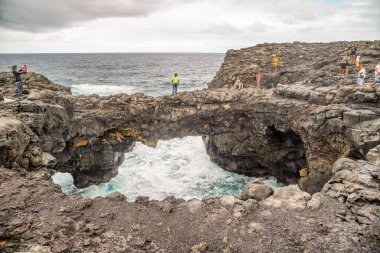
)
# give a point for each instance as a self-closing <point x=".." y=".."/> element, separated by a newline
<point x="304" y="137"/>
<point x="295" y="131"/>
<point x="35" y="214"/>
<point x="314" y="64"/>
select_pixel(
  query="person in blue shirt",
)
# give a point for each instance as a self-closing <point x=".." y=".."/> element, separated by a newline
<point x="17" y="75"/>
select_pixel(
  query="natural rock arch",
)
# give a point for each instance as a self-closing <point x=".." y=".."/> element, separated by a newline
<point x="246" y="127"/>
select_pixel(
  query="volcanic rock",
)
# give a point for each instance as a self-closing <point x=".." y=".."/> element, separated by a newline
<point x="13" y="140"/>
<point x="256" y="190"/>
<point x="297" y="131"/>
<point x="288" y="197"/>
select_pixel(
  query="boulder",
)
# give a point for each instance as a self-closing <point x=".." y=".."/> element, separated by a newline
<point x="228" y="201"/>
<point x="194" y="205"/>
<point x="256" y="190"/>
<point x="13" y="140"/>
<point x="373" y="156"/>
<point x="41" y="95"/>
<point x="288" y="197"/>
<point x="315" y="201"/>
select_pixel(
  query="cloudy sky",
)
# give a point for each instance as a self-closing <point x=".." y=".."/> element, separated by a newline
<point x="40" y="26"/>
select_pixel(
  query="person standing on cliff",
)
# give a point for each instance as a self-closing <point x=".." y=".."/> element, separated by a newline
<point x="344" y="65"/>
<point x="377" y="71"/>
<point x="17" y="75"/>
<point x="361" y="76"/>
<point x="357" y="62"/>
<point x="25" y="69"/>
<point x="175" y="83"/>
<point x="353" y="53"/>
<point x="258" y="79"/>
<point x="275" y="61"/>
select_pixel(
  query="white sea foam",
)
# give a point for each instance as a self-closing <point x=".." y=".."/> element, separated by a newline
<point x="179" y="167"/>
<point x="103" y="90"/>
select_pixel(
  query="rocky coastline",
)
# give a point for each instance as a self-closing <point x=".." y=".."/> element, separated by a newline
<point x="307" y="126"/>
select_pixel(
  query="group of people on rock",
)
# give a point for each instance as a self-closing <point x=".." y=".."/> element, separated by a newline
<point x="350" y="56"/>
<point x="239" y="84"/>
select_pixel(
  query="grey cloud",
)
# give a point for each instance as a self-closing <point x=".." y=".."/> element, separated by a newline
<point x="47" y="15"/>
<point x="218" y="29"/>
<point x="258" y="28"/>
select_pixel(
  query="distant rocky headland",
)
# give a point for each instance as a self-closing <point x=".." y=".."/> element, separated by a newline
<point x="307" y="126"/>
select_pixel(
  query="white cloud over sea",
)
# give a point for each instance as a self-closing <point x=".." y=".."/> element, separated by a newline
<point x="179" y="25"/>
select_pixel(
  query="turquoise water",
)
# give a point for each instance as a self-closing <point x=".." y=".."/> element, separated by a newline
<point x="179" y="167"/>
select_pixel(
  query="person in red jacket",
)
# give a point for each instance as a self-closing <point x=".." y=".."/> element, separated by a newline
<point x="25" y="69"/>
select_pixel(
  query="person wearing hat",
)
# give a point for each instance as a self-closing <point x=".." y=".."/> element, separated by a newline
<point x="17" y="75"/>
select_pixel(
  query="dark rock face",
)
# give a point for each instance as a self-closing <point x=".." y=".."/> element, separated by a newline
<point x="287" y="157"/>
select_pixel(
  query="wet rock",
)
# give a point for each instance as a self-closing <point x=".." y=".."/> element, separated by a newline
<point x="256" y="190"/>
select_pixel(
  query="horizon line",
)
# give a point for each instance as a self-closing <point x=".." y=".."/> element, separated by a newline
<point x="118" y="53"/>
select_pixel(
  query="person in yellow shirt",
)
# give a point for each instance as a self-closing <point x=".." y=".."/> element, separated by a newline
<point x="357" y="62"/>
<point x="175" y="83"/>
<point x="275" y="61"/>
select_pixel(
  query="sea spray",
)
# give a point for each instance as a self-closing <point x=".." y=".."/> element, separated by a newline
<point x="179" y="167"/>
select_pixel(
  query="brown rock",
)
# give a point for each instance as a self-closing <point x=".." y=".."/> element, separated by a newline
<point x="256" y="190"/>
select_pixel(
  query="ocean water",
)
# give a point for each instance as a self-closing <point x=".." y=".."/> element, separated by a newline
<point x="107" y="74"/>
<point x="179" y="167"/>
